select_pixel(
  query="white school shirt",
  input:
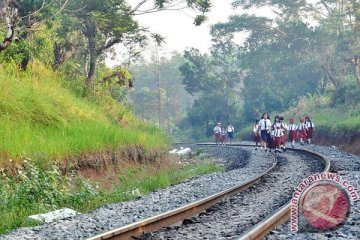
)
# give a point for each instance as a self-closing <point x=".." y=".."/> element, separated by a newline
<point x="278" y="131"/>
<point x="217" y="129"/>
<point x="272" y="133"/>
<point x="264" y="122"/>
<point x="230" y="128"/>
<point x="292" y="127"/>
<point x="309" y="124"/>
<point x="302" y="126"/>
<point x="284" y="126"/>
<point x="256" y="128"/>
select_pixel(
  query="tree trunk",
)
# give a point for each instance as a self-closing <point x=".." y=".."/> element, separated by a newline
<point x="327" y="69"/>
<point x="159" y="92"/>
<point x="8" y="39"/>
<point x="357" y="69"/>
<point x="90" y="33"/>
<point x="9" y="15"/>
<point x="85" y="65"/>
<point x="57" y="55"/>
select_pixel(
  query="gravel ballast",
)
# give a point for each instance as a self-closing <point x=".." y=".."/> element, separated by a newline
<point x="242" y="164"/>
<point x="348" y="167"/>
<point x="229" y="219"/>
<point x="120" y="214"/>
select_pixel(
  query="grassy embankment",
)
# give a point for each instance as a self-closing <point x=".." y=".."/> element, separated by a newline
<point x="41" y="120"/>
<point x="45" y="128"/>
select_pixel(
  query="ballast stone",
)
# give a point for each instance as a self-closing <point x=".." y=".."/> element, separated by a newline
<point x="54" y="215"/>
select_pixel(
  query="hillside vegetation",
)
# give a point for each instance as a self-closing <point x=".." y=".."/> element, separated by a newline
<point x="68" y="136"/>
<point x="40" y="119"/>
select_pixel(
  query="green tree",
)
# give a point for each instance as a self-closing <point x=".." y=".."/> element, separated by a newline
<point x="173" y="98"/>
<point x="215" y="80"/>
<point x="22" y="18"/>
<point x="105" y="24"/>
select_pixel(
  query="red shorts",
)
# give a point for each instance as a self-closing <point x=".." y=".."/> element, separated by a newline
<point x="292" y="135"/>
<point x="278" y="141"/>
<point x="302" y="134"/>
<point x="257" y="137"/>
<point x="218" y="137"/>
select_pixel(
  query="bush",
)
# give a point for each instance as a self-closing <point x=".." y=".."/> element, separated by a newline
<point x="33" y="189"/>
<point x="347" y="93"/>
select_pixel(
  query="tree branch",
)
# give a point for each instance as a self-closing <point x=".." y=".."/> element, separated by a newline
<point x="326" y="6"/>
<point x="57" y="13"/>
<point x="108" y="45"/>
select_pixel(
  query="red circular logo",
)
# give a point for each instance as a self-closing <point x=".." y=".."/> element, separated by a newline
<point x="325" y="205"/>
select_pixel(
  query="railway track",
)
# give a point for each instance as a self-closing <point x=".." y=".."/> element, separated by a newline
<point x="195" y="208"/>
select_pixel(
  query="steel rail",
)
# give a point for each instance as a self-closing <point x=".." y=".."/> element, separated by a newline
<point x="261" y="229"/>
<point x="175" y="216"/>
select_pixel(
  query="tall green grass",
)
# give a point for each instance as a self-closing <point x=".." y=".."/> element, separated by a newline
<point x="41" y="119"/>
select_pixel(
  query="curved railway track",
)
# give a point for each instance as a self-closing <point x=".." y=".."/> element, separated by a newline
<point x="193" y="209"/>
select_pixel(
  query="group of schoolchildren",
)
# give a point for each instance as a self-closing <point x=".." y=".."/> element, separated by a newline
<point x="273" y="136"/>
<point x="223" y="134"/>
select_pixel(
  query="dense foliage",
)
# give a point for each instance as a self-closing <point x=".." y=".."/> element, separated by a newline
<point x="305" y="48"/>
<point x="63" y="111"/>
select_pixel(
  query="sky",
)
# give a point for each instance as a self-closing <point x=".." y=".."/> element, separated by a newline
<point x="179" y="31"/>
<point x="178" y="28"/>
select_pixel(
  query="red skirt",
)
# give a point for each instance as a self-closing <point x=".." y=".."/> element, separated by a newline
<point x="257" y="137"/>
<point x="310" y="132"/>
<point x="218" y="137"/>
<point x="292" y="135"/>
<point x="278" y="141"/>
<point x="302" y="134"/>
<point x="283" y="139"/>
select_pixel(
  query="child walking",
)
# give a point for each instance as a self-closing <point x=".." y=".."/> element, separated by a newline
<point x="264" y="127"/>
<point x="217" y="133"/>
<point x="310" y="129"/>
<point x="278" y="134"/>
<point x="230" y="132"/>
<point x="256" y="137"/>
<point x="292" y="131"/>
<point x="302" y="131"/>
<point x="223" y="135"/>
<point x="284" y="128"/>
